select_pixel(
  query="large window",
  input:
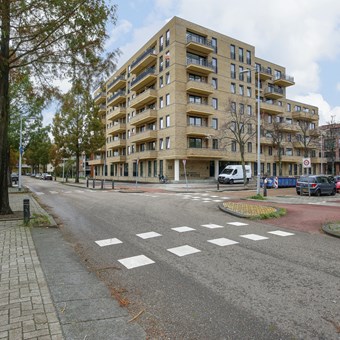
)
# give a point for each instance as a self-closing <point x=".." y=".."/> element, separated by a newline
<point x="232" y="71"/>
<point x="233" y="146"/>
<point x="195" y="143"/>
<point x="232" y="52"/>
<point x="240" y="54"/>
<point x="214" y="64"/>
<point x="214" y="44"/>
<point x="167" y="38"/>
<point x="215" y="103"/>
<point x="250" y="147"/>
<point x="233" y="88"/>
<point x="248" y="57"/>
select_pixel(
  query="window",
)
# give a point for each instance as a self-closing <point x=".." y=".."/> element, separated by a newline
<point x="248" y="76"/>
<point x="161" y="43"/>
<point x="232" y="71"/>
<point x="161" y="102"/>
<point x="248" y="91"/>
<point x="268" y="169"/>
<point x="250" y="147"/>
<point x="232" y="52"/>
<point x="270" y="119"/>
<point x="215" y="144"/>
<point x="215" y="103"/>
<point x="167" y="38"/>
<point x="167" y="99"/>
<point x="248" y="57"/>
<point x="161" y="124"/>
<point x="240" y="54"/>
<point x="195" y="99"/>
<point x="240" y="73"/>
<point x="160" y="63"/>
<point x="167" y="78"/>
<point x="167" y="142"/>
<point x="214" y="64"/>
<point x="241" y="90"/>
<point x="249" y="110"/>
<point x="214" y="44"/>
<point x="196" y="121"/>
<point x="233" y="146"/>
<point x="241" y="108"/>
<point x="214" y="83"/>
<point x="233" y="107"/>
<point x="161" y="146"/>
<point x="167" y="121"/>
<point x="250" y="128"/>
<point x="289" y="152"/>
<point x="214" y="123"/>
<point x="167" y="59"/>
<point x="289" y="107"/>
<point x="233" y="88"/>
<point x="161" y="84"/>
<point x="195" y="143"/>
<point x="270" y="150"/>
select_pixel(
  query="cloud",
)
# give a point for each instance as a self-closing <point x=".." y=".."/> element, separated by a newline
<point x="123" y="27"/>
<point x="338" y="87"/>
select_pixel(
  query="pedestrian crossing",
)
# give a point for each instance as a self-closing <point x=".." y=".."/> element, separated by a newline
<point x="187" y="249"/>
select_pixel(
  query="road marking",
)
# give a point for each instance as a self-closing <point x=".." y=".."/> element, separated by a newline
<point x="254" y="237"/>
<point x="150" y="234"/>
<point x="280" y="233"/>
<point x="135" y="261"/>
<point x="212" y="226"/>
<point x="40" y="193"/>
<point x="108" y="242"/>
<point x="238" y="224"/>
<point x="183" y="250"/>
<point x="54" y="192"/>
<point x="183" y="229"/>
<point x="218" y="201"/>
<point x="222" y="242"/>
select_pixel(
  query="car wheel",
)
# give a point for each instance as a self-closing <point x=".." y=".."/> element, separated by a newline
<point x="231" y="181"/>
<point x="318" y="193"/>
<point x="298" y="192"/>
<point x="333" y="192"/>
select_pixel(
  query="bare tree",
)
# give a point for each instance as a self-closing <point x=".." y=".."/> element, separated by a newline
<point x="239" y="128"/>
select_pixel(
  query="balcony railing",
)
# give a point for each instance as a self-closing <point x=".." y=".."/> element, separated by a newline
<point x="150" y="51"/>
<point x="284" y="77"/>
<point x="116" y="95"/>
<point x="200" y="62"/>
<point x="115" y="81"/>
<point x="143" y="75"/>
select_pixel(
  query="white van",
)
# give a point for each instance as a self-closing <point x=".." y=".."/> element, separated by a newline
<point x="234" y="174"/>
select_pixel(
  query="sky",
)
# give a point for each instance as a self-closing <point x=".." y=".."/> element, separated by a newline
<point x="301" y="35"/>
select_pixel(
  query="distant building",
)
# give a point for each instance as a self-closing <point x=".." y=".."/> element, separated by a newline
<point x="330" y="148"/>
<point x="164" y="107"/>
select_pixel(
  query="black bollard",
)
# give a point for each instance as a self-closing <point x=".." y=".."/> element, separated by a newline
<point x="27" y="214"/>
<point x="113" y="184"/>
<point x="93" y="184"/>
<point x="218" y="185"/>
<point x="102" y="184"/>
<point x="87" y="182"/>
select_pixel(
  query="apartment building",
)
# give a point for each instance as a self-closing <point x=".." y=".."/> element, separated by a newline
<point x="164" y="110"/>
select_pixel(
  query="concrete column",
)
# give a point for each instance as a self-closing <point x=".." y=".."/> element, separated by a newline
<point x="217" y="166"/>
<point x="176" y="175"/>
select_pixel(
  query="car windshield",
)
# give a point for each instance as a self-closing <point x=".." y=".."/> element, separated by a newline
<point x="227" y="171"/>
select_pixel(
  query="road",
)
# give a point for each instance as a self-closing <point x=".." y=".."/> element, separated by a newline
<point x="196" y="272"/>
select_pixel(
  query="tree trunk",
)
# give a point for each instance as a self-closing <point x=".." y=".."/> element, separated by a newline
<point x="4" y="108"/>
<point x="77" y="167"/>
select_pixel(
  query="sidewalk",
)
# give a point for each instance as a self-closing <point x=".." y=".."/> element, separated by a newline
<point x="47" y="293"/>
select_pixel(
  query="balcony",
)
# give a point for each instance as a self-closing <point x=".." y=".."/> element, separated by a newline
<point x="272" y="109"/>
<point x="147" y="97"/>
<point x="116" y="113"/>
<point x="116" y="99"/>
<point x="144" y="60"/>
<point x="200" y="87"/>
<point x="288" y="159"/>
<point x="147" y="154"/>
<point x="263" y="73"/>
<point x="100" y="98"/>
<point x="201" y="66"/>
<point x="120" y="127"/>
<point x="208" y="153"/>
<point x="273" y="92"/>
<point x="266" y="141"/>
<point x="144" y="117"/>
<point x="314" y="133"/>
<point x="288" y="127"/>
<point x="283" y="80"/>
<point x="118" y="143"/>
<point x="200" y="109"/>
<point x="199" y="130"/>
<point x="144" y="136"/>
<point x="116" y="84"/>
<point x="145" y="79"/>
<point x="298" y="145"/>
<point x="199" y="44"/>
<point x="102" y="108"/>
<point x="306" y="116"/>
<point x="96" y="161"/>
<point x="117" y="159"/>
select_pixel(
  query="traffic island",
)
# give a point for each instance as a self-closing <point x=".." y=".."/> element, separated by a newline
<point x="332" y="228"/>
<point x="251" y="211"/>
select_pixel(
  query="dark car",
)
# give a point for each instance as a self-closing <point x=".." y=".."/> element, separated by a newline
<point x="315" y="185"/>
<point x="46" y="176"/>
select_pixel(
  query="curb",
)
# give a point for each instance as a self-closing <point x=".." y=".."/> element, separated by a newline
<point x="328" y="230"/>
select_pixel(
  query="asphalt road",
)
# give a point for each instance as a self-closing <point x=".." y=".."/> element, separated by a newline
<point x="237" y="282"/>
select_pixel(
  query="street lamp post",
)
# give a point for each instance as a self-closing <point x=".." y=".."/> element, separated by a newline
<point x="20" y="154"/>
<point x="258" y="181"/>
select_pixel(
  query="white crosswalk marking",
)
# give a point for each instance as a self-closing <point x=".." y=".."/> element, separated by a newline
<point x="183" y="229"/>
<point x="280" y="233"/>
<point x="237" y="223"/>
<point x="135" y="261"/>
<point x="254" y="237"/>
<point x="108" y="242"/>
<point x="39" y="193"/>
<point x="212" y="226"/>
<point x="183" y="250"/>
<point x="222" y="242"/>
<point x="150" y="234"/>
<point x="54" y="192"/>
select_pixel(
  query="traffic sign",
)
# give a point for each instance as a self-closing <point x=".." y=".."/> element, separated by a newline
<point x="306" y="162"/>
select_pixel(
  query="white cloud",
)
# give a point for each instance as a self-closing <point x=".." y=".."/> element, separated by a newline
<point x="338" y="87"/>
<point x="123" y="27"/>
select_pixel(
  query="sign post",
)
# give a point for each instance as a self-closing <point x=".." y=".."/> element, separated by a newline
<point x="185" y="172"/>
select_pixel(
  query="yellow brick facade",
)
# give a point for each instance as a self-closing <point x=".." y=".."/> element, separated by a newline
<point x="167" y="103"/>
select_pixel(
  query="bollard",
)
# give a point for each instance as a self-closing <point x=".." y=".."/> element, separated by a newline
<point x="113" y="184"/>
<point x="218" y="185"/>
<point x="87" y="182"/>
<point x="102" y="184"/>
<point x="26" y="211"/>
<point x="93" y="184"/>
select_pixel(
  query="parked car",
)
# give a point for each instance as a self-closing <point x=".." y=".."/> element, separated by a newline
<point x="14" y="177"/>
<point x="337" y="183"/>
<point x="315" y="185"/>
<point x="46" y="176"/>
